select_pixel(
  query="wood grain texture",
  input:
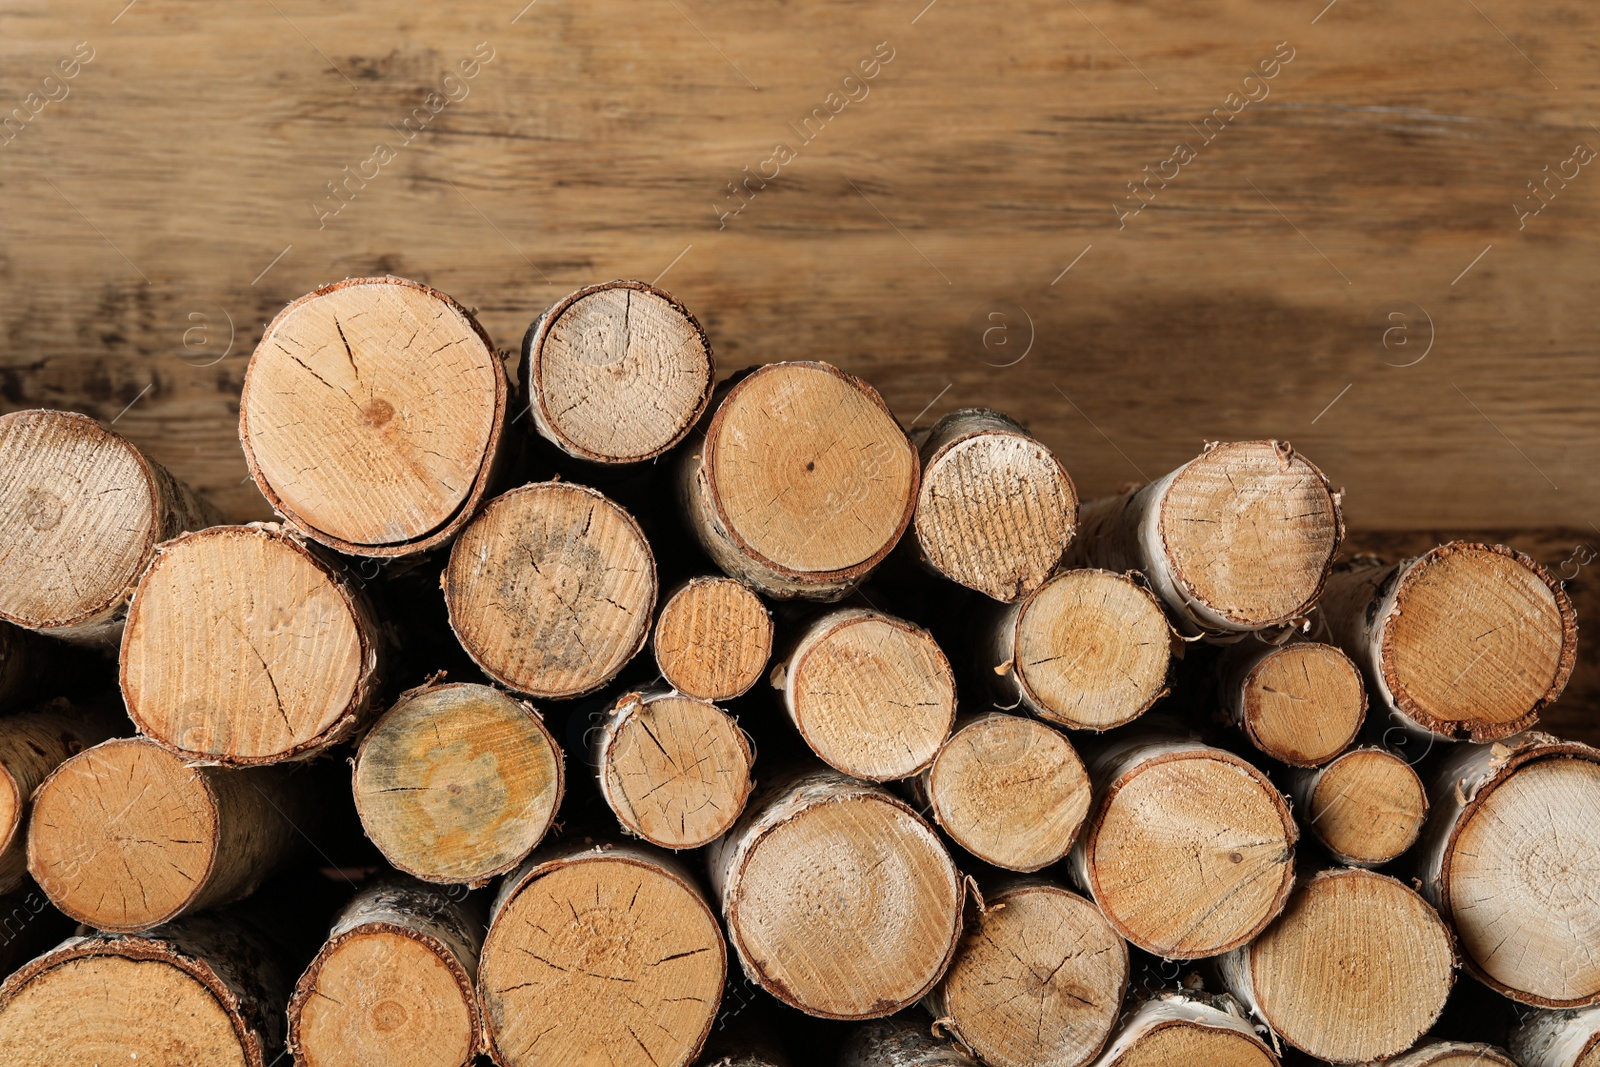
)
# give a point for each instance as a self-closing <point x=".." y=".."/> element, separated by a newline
<point x="1301" y="703"/>
<point x="1177" y="1028"/>
<point x="713" y="637"/>
<point x="32" y="744"/>
<point x="1366" y="806"/>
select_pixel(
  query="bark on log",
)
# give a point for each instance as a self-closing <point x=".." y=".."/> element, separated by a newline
<point x="1366" y="806"/>
<point x="1301" y="703"/>
<point x="372" y="416"/>
<point x="802" y="481"/>
<point x="713" y="638"/>
<point x="1558" y="1038"/>
<point x="457" y="782"/>
<point x="1458" y="1054"/>
<point x="32" y="744"/>
<point x="616" y="373"/>
<point x="1177" y="1028"/>
<point x="905" y="1041"/>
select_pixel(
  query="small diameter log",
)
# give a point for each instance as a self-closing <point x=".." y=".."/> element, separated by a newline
<point x="839" y="900"/>
<point x="801" y="483"/>
<point x="81" y="510"/>
<point x="1239" y="539"/>
<point x="1181" y="1029"/>
<point x="674" y="770"/>
<point x="1089" y="649"/>
<point x="32" y="744"/>
<point x="1558" y="1038"/>
<point x="1038" y="980"/>
<point x="372" y="415"/>
<point x="904" y="1041"/>
<point x="1366" y="806"/>
<point x="393" y="983"/>
<point x="1459" y="1054"/>
<point x="1511" y="857"/>
<point x="713" y="638"/>
<point x="1467" y="640"/>
<point x="550" y="589"/>
<point x="243" y="647"/>
<point x="872" y="695"/>
<point x="457" y="782"/>
<point x="1356" y="969"/>
<point x="125" y="835"/>
<point x="996" y="509"/>
<point x="606" y="954"/>
<point x="1300" y="703"/>
<point x="1009" y="790"/>
<point x="616" y="373"/>
<point x="1189" y="850"/>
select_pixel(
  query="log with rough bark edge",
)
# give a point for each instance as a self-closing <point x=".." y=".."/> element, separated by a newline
<point x="1176" y="1028"/>
<point x="457" y="782"/>
<point x="1236" y="540"/>
<point x="372" y="415"/>
<point x="1038" y="980"/>
<point x="1357" y="968"/>
<point x="801" y="482"/>
<point x="600" y="952"/>
<point x="81" y="509"/>
<point x="1366" y="806"/>
<point x="32" y="744"/>
<point x="125" y="835"/>
<point x="713" y="638"/>
<point x="244" y="647"/>
<point x="996" y="509"/>
<point x="1511" y="856"/>
<point x="1011" y="791"/>
<point x="1090" y="649"/>
<point x="550" y="589"/>
<point x="904" y="1041"/>
<point x="838" y="899"/>
<point x="393" y="983"/>
<point x="1558" y="1038"/>
<point x="1301" y="703"/>
<point x="1189" y="850"/>
<point x="674" y="770"/>
<point x="874" y="696"/>
<point x="616" y="373"/>
<point x="1467" y="640"/>
<point x="1458" y="1054"/>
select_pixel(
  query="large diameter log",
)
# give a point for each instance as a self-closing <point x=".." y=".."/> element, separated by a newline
<point x="1238" y="539"/>
<point x="801" y="483"/>
<point x="600" y="954"/>
<point x="457" y="782"/>
<point x="244" y="647"/>
<point x="1558" y="1038"/>
<point x="838" y="899"/>
<point x="1366" y="806"/>
<point x="713" y="638"/>
<point x="1466" y="640"/>
<point x="996" y="509"/>
<point x="1460" y="1054"/>
<point x="874" y="696"/>
<point x="125" y="835"/>
<point x="1357" y="968"/>
<point x="372" y="415"/>
<point x="393" y="983"/>
<point x="32" y="744"/>
<point x="1177" y="1028"/>
<point x="1301" y="703"/>
<point x="1038" y="980"/>
<point x="81" y="510"/>
<point x="1511" y="856"/>
<point x="904" y="1041"/>
<point x="1090" y="650"/>
<point x="550" y="589"/>
<point x="616" y="373"/>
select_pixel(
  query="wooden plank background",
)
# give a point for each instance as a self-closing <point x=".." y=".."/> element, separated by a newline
<point x="164" y="201"/>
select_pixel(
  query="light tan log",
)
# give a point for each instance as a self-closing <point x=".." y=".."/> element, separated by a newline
<point x="244" y="647"/>
<point x="1184" y="1029"/>
<point x="32" y="744"/>
<point x="1038" y="979"/>
<point x="125" y="835"/>
<point x="372" y="414"/>
<point x="600" y="954"/>
<point x="81" y="510"/>
<point x="904" y="1041"/>
<point x="838" y="899"/>
<point x="550" y="589"/>
<point x="393" y="983"/>
<point x="1558" y="1038"/>
<point x="996" y="509"/>
<point x="617" y="372"/>
<point x="1366" y="806"/>
<point x="203" y="990"/>
<point x="1457" y="1054"/>
<point x="1236" y="540"/>
<point x="802" y="481"/>
<point x="1011" y="791"/>
<point x="874" y="696"/>
<point x="1300" y="703"/>
<point x="1357" y="969"/>
<point x="1467" y="640"/>
<point x="713" y="638"/>
<point x="457" y="782"/>
<point x="1090" y="650"/>
<point x="1189" y="850"/>
<point x="674" y="770"/>
<point x="1511" y="857"/>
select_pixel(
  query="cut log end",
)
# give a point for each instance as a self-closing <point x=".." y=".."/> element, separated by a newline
<point x="1456" y="1054"/>
<point x="1181" y="1029"/>
<point x="1367" y="807"/>
<point x="32" y="744"/>
<point x="1302" y="704"/>
<point x="713" y="638"/>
